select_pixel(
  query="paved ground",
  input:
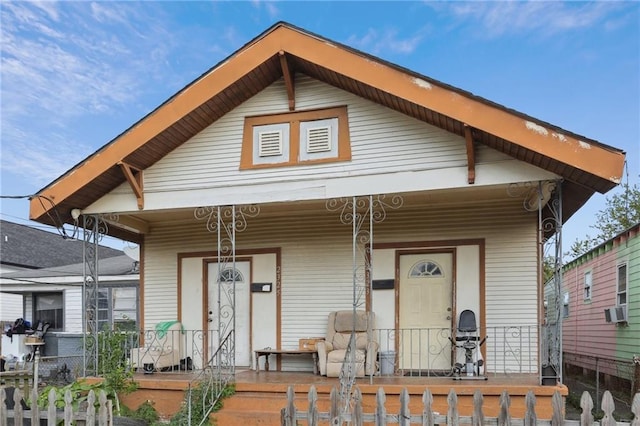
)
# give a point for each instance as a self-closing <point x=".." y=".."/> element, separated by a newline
<point x="577" y="387"/>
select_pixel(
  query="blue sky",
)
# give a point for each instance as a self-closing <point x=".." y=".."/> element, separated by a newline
<point x="77" y="74"/>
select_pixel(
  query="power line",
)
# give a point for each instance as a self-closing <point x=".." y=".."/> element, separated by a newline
<point x="52" y="212"/>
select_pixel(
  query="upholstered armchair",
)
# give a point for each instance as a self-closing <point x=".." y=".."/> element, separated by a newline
<point x="332" y="351"/>
<point x="162" y="348"/>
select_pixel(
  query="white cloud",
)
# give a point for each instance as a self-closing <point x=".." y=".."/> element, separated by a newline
<point x="544" y="17"/>
<point x="65" y="64"/>
<point x="385" y="42"/>
<point x="270" y="7"/>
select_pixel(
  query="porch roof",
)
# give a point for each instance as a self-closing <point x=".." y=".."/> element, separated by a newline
<point x="586" y="165"/>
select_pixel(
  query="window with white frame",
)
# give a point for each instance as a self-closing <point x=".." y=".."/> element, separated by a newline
<point x="588" y="285"/>
<point x="621" y="297"/>
<point x="48" y="308"/>
<point x="118" y="308"/>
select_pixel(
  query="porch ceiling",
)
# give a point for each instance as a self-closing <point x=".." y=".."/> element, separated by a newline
<point x="455" y="198"/>
<point x="177" y="120"/>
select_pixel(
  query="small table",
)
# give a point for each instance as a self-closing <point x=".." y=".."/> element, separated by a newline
<point x="279" y="352"/>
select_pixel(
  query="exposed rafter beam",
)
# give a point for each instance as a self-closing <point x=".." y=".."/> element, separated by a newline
<point x="130" y="223"/>
<point x="471" y="155"/>
<point x="134" y="177"/>
<point x="288" y="80"/>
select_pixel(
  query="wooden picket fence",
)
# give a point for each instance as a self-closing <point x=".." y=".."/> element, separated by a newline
<point x="290" y="416"/>
<point x="103" y="416"/>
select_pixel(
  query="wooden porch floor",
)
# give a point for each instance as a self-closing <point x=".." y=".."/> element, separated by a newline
<point x="251" y="378"/>
<point x="167" y="389"/>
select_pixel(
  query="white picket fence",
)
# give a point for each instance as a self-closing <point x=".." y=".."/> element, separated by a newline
<point x="290" y="416"/>
<point x="90" y="416"/>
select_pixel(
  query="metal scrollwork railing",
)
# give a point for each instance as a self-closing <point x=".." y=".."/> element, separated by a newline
<point x="545" y="198"/>
<point x="94" y="227"/>
<point x="225" y="222"/>
<point x="361" y="213"/>
<point x="551" y="246"/>
<point x="206" y="390"/>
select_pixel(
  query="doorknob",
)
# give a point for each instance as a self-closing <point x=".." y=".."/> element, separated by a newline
<point x="448" y="317"/>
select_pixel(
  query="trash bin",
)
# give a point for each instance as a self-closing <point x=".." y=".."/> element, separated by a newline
<point x="387" y="363"/>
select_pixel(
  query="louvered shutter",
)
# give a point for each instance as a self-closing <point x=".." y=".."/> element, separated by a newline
<point x="270" y="143"/>
<point x="319" y="139"/>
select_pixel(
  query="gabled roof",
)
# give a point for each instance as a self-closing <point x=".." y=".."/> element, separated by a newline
<point x="283" y="50"/>
<point x="31" y="248"/>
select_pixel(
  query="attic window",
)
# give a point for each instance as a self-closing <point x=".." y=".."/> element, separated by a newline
<point x="318" y="139"/>
<point x="270" y="143"/>
<point x="296" y="138"/>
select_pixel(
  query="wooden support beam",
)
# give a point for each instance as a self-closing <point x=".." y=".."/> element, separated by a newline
<point x="471" y="155"/>
<point x="288" y="80"/>
<point x="134" y="177"/>
<point x="131" y="223"/>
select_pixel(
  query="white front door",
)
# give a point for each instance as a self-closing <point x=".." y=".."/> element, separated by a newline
<point x="425" y="310"/>
<point x="221" y="282"/>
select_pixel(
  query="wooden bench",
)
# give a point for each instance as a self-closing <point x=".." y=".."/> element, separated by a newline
<point x="279" y="352"/>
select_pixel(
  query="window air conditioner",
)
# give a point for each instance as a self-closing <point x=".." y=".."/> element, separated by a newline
<point x="616" y="314"/>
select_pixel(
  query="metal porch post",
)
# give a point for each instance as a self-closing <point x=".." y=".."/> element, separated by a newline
<point x="90" y="285"/>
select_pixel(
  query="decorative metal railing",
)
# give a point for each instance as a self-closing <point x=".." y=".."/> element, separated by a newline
<point x="409" y="352"/>
<point x="206" y="390"/>
<point x="361" y="213"/>
<point x="430" y="352"/>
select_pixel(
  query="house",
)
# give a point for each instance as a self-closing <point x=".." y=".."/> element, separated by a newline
<point x="300" y="176"/>
<point x="27" y="248"/>
<point x="601" y="310"/>
<point x="43" y="276"/>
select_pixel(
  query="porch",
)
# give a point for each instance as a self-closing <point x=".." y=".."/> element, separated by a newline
<point x="260" y="396"/>
<point x="511" y="363"/>
<point x="426" y="352"/>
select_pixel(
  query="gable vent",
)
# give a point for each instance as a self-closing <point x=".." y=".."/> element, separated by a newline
<point x="270" y="143"/>
<point x="319" y="139"/>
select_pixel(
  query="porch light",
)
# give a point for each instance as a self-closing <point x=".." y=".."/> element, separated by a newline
<point x="75" y="214"/>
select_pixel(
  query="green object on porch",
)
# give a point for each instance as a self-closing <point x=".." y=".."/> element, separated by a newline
<point x="162" y="327"/>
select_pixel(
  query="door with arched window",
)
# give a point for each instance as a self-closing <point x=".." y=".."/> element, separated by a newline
<point x="425" y="311"/>
<point x="226" y="277"/>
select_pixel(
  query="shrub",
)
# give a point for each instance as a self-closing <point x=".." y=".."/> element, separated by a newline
<point x="198" y="394"/>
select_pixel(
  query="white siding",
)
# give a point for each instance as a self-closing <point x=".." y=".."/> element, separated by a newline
<point x="10" y="307"/>
<point x="317" y="266"/>
<point x="404" y="154"/>
<point x="73" y="310"/>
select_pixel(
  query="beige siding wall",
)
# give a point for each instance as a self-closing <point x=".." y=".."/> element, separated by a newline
<point x="317" y="266"/>
<point x="73" y="310"/>
<point x="390" y="151"/>
<point x="213" y="155"/>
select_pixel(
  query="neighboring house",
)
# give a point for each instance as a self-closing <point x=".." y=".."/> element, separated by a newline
<point x="49" y="290"/>
<point x="281" y="136"/>
<point x="601" y="307"/>
<point x="25" y="247"/>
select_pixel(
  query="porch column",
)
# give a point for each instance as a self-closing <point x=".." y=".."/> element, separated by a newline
<point x="361" y="213"/>
<point x="550" y="228"/>
<point x="225" y="222"/>
<point x="93" y="230"/>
